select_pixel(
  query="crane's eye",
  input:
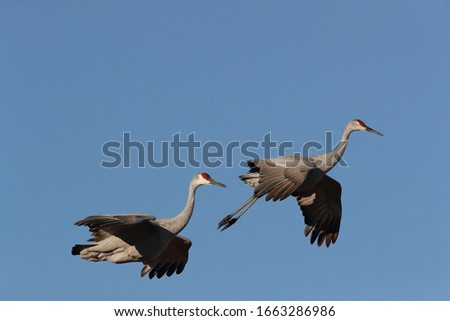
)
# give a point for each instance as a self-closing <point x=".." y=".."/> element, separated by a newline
<point x="206" y="176"/>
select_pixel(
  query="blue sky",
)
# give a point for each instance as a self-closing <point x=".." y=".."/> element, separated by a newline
<point x="74" y="75"/>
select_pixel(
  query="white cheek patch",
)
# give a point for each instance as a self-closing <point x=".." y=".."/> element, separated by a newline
<point x="308" y="200"/>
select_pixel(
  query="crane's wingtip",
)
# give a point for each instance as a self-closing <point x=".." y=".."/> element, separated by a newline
<point x="308" y="229"/>
<point x="145" y="270"/>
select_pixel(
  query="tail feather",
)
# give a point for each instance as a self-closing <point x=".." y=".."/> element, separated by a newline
<point x="76" y="250"/>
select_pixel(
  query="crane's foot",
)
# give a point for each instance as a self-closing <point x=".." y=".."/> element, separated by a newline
<point x="226" y="222"/>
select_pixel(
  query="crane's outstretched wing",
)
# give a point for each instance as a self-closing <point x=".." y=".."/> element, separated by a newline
<point x="129" y="227"/>
<point x="321" y="207"/>
<point x="172" y="259"/>
<point x="278" y="178"/>
<point x="104" y="220"/>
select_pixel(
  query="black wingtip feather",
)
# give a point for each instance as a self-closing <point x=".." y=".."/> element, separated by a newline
<point x="314" y="235"/>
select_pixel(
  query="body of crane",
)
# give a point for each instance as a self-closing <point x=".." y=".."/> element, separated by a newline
<point x="142" y="238"/>
<point x="306" y="179"/>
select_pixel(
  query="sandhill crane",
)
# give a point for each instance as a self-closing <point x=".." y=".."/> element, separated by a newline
<point x="317" y="194"/>
<point x="142" y="238"/>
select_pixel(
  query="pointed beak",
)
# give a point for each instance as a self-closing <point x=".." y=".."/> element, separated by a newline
<point x="214" y="182"/>
<point x="370" y="130"/>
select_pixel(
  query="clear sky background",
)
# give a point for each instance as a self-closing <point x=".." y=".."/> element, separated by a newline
<point x="76" y="74"/>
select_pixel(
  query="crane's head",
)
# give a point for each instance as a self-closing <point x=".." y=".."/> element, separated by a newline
<point x="357" y="124"/>
<point x="203" y="178"/>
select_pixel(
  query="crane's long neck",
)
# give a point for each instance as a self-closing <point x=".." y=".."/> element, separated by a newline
<point x="179" y="222"/>
<point x="327" y="161"/>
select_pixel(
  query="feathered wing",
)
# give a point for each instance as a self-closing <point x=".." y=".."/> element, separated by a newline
<point x="124" y="226"/>
<point x="116" y="219"/>
<point x="172" y="259"/>
<point x="136" y="230"/>
<point x="322" y="210"/>
<point x="278" y="177"/>
<point x="119" y="231"/>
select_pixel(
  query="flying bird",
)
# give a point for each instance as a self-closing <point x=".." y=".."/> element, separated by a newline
<point x="142" y="238"/>
<point x="306" y="179"/>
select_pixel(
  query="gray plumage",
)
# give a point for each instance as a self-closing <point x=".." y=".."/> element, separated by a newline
<point x="306" y="179"/>
<point x="142" y="238"/>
